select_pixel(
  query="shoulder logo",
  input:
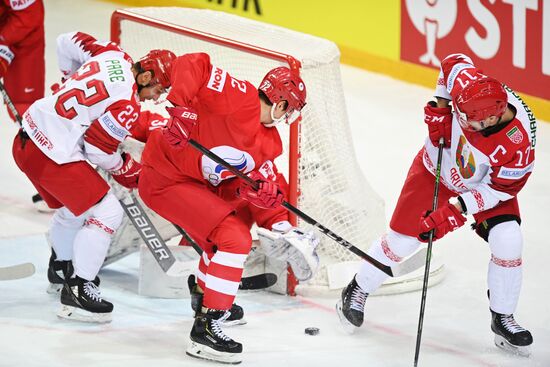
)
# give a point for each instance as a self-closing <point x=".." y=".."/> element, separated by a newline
<point x="217" y="79"/>
<point x="515" y="135"/>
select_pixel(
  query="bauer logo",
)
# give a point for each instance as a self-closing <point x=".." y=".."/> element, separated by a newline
<point x="217" y="79"/>
<point x="215" y="173"/>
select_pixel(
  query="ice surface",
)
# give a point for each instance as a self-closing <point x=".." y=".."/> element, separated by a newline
<point x="386" y="116"/>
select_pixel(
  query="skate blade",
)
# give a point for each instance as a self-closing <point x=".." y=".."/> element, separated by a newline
<point x="347" y="326"/>
<point x="502" y="343"/>
<point x="78" y="314"/>
<point x="54" y="288"/>
<point x="234" y="322"/>
<point x="200" y="351"/>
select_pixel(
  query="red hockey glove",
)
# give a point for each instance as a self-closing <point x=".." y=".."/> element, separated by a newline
<point x="6" y="57"/>
<point x="444" y="220"/>
<point x="128" y="174"/>
<point x="439" y="121"/>
<point x="268" y="195"/>
<point x="178" y="130"/>
<point x="3" y="67"/>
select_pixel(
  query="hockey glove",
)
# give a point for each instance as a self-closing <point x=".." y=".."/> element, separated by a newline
<point x="6" y="57"/>
<point x="268" y="195"/>
<point x="444" y="220"/>
<point x="439" y="121"/>
<point x="128" y="174"/>
<point x="178" y="130"/>
<point x="292" y="245"/>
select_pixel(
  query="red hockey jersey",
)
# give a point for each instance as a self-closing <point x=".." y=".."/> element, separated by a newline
<point x="228" y="124"/>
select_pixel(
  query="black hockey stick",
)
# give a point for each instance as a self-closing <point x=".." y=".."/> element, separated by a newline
<point x="404" y="267"/>
<point x="259" y="281"/>
<point x="428" y="253"/>
<point x="10" y="104"/>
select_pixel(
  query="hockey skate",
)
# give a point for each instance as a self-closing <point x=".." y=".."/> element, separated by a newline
<point x="58" y="271"/>
<point x="208" y="341"/>
<point x="509" y="335"/>
<point x="350" y="307"/>
<point x="236" y="313"/>
<point x="81" y="300"/>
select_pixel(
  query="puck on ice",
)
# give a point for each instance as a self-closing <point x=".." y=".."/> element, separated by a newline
<point x="311" y="331"/>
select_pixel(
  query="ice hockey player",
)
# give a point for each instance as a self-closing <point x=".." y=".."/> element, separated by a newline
<point x="488" y="155"/>
<point x="236" y="121"/>
<point x="81" y="124"/>
<point x="22" y="62"/>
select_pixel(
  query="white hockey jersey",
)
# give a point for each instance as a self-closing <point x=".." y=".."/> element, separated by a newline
<point x="94" y="109"/>
<point x="484" y="170"/>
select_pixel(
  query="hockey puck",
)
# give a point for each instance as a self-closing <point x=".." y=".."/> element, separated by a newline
<point x="311" y="331"/>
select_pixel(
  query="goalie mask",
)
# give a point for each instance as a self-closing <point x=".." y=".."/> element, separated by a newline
<point x="479" y="100"/>
<point x="282" y="84"/>
<point x="158" y="62"/>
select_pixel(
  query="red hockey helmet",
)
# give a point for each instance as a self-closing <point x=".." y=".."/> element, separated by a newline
<point x="283" y="84"/>
<point x="479" y="100"/>
<point x="159" y="62"/>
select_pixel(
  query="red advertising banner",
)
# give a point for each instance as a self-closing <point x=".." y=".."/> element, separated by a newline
<point x="508" y="39"/>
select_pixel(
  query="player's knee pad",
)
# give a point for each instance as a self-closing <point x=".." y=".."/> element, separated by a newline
<point x="232" y="235"/>
<point x="65" y="218"/>
<point x="105" y="216"/>
<point x="483" y="228"/>
<point x="506" y="241"/>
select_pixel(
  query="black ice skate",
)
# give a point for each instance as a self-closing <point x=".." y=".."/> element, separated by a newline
<point x="81" y="300"/>
<point x="350" y="307"/>
<point x="509" y="335"/>
<point x="208" y="341"/>
<point x="58" y="271"/>
<point x="236" y="313"/>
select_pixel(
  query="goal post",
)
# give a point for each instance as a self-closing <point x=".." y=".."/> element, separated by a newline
<point x="319" y="162"/>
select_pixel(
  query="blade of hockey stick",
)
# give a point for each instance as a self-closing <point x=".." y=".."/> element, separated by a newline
<point x="259" y="281"/>
<point x="149" y="234"/>
<point x="410" y="264"/>
<point x="16" y="271"/>
<point x="390" y="270"/>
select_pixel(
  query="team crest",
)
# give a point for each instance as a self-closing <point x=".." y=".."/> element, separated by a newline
<point x="465" y="158"/>
<point x="515" y="135"/>
<point x="215" y="173"/>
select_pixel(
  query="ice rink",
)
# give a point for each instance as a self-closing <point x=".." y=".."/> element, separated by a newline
<point x="387" y="126"/>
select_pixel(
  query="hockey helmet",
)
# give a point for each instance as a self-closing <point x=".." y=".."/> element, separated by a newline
<point x="159" y="62"/>
<point x="283" y="84"/>
<point x="479" y="100"/>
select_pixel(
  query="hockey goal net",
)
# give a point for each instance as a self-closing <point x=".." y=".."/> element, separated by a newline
<point x="326" y="181"/>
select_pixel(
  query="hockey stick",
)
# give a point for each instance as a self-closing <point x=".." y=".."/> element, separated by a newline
<point x="406" y="266"/>
<point x="259" y="281"/>
<point x="10" y="104"/>
<point x="428" y="253"/>
<point x="16" y="271"/>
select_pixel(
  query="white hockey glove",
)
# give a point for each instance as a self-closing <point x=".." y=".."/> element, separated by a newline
<point x="291" y="244"/>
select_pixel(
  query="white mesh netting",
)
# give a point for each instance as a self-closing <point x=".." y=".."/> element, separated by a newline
<point x="332" y="187"/>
